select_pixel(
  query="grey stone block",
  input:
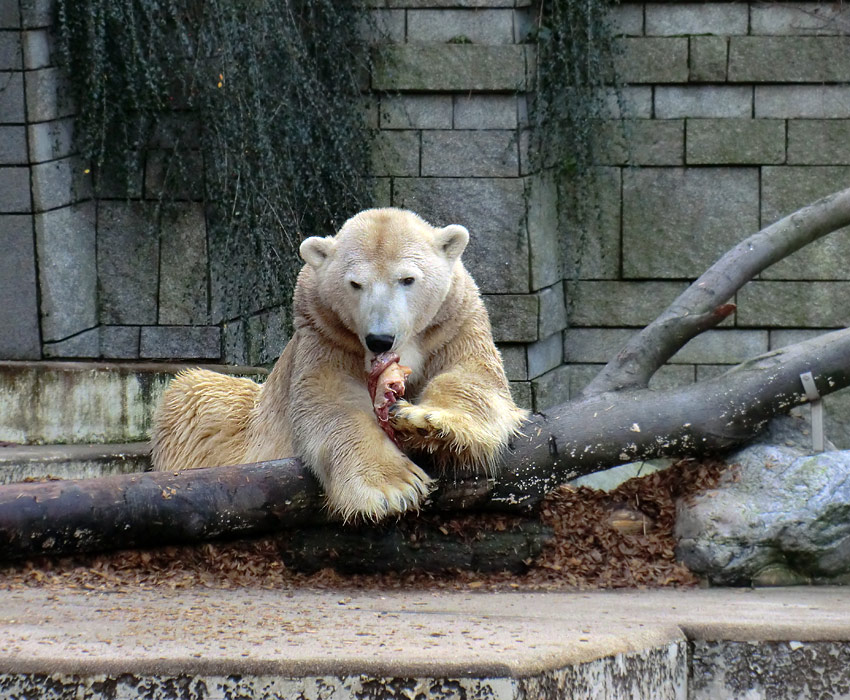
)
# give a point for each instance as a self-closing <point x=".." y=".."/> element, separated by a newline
<point x="470" y="153"/>
<point x="13" y="145"/>
<point x="119" y="342"/>
<point x="651" y="60"/>
<point x="514" y="361"/>
<point x="10" y="50"/>
<point x="798" y="18"/>
<point x="675" y="19"/>
<point x="552" y="388"/>
<point x="416" y="112"/>
<point x="15" y="190"/>
<point x="65" y="240"/>
<point x="10" y="15"/>
<point x="383" y="26"/>
<point x="382" y="193"/>
<point x="553" y="310"/>
<point x="51" y="140"/>
<point x="476" y="26"/>
<point x="456" y="3"/>
<point x="722" y="347"/>
<point x="485" y="111"/>
<point x="802" y="101"/>
<point x="799" y="59"/>
<point x="235" y="342"/>
<point x="783" y="337"/>
<point x="127" y="264"/>
<point x="396" y="153"/>
<point x="267" y="334"/>
<point x="12" y="98"/>
<point x="521" y="394"/>
<point x="180" y="342"/>
<point x="626" y="19"/>
<point x="492" y="209"/>
<point x="513" y="317"/>
<point x="580" y="376"/>
<point x="19" y="339"/>
<point x="628" y="102"/>
<point x="451" y="67"/>
<point x="525" y="23"/>
<point x="592" y="226"/>
<point x="544" y="235"/>
<point x="617" y="303"/>
<point x="37" y="13"/>
<point x="38" y="48"/>
<point x="640" y="142"/>
<point x="687" y="217"/>
<point x="545" y="355"/>
<point x="708" y="59"/>
<point x="58" y="183"/>
<point x="83" y="345"/>
<point x="596" y="345"/>
<point x="703" y="101"/>
<point x="818" y="142"/>
<point x="788" y="188"/>
<point x="794" y="304"/>
<point x="735" y="141"/>
<point x="48" y="96"/>
<point x="183" y="266"/>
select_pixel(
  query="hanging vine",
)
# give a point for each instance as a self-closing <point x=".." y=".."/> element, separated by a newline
<point x="252" y="106"/>
<point x="575" y="85"/>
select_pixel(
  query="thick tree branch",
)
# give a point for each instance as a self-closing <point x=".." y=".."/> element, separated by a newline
<point x="703" y="306"/>
<point x="571" y="440"/>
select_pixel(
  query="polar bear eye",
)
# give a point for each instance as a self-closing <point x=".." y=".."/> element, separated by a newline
<point x="407" y="281"/>
<point x="355" y="285"/>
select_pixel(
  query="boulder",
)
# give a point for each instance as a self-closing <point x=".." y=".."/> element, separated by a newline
<point x="780" y="516"/>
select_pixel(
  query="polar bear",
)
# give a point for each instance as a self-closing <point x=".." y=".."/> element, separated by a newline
<point x="388" y="281"/>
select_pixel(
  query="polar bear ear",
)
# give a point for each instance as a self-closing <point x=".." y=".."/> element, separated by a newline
<point x="315" y="250"/>
<point x="452" y="240"/>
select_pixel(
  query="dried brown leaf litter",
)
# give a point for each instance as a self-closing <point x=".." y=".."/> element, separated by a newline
<point x="602" y="540"/>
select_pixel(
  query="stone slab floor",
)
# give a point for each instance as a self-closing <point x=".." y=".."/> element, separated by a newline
<point x="331" y="645"/>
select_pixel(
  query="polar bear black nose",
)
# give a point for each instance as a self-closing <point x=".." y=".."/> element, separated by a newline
<point x="379" y="343"/>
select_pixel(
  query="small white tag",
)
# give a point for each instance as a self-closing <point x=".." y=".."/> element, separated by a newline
<point x="817" y="410"/>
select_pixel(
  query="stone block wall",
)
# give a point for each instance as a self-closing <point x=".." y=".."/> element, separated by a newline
<point x="736" y="114"/>
<point x="731" y="115"/>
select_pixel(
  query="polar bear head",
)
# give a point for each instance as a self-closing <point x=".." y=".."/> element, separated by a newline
<point x="385" y="274"/>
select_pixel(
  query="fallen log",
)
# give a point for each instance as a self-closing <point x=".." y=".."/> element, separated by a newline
<point x="616" y="420"/>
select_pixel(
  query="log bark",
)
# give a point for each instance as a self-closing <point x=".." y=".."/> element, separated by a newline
<point x="155" y="508"/>
<point x="423" y="547"/>
<point x="617" y="420"/>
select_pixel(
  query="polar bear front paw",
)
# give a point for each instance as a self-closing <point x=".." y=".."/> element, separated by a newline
<point x="384" y="490"/>
<point x="421" y="421"/>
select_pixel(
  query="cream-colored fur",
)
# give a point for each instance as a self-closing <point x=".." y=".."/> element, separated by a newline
<point x="389" y="273"/>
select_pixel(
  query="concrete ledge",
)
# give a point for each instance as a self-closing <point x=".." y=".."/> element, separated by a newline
<point x="85" y="402"/>
<point x="424" y="644"/>
<point x="72" y="461"/>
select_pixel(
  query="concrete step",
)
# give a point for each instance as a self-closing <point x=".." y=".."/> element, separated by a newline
<point x="86" y="402"/>
<point x="72" y="461"/>
<point x="126" y="640"/>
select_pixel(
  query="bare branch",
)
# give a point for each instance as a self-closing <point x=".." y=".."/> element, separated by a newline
<point x="605" y="430"/>
<point x="703" y="306"/>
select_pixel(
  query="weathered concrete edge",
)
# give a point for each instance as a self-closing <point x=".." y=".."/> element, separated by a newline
<point x="655" y="668"/>
<point x="596" y="648"/>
